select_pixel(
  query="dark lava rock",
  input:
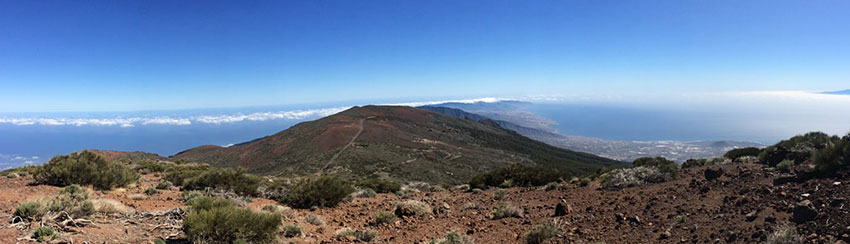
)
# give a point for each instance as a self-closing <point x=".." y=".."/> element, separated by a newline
<point x="713" y="173"/>
<point x="803" y="212"/>
<point x="752" y="216"/>
<point x="560" y="209"/>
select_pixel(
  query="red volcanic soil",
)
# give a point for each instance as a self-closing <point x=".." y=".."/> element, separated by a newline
<point x="742" y="206"/>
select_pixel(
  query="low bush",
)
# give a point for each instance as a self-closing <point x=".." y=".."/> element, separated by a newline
<point x="630" y="177"/>
<point x="292" y="230"/>
<point x="742" y="152"/>
<point x="518" y="175"/>
<point x="364" y="193"/>
<point x="151" y="191"/>
<point x="379" y="185"/>
<point x="499" y="194"/>
<point x="12" y="175"/>
<point x="662" y="164"/>
<point x="74" y="200"/>
<point x="552" y="186"/>
<point x="137" y="197"/>
<point x="164" y="185"/>
<point x="362" y="235"/>
<point x="506" y="210"/>
<point x="382" y="218"/>
<point x="453" y="237"/>
<point x="283" y="211"/>
<point x="316" y="220"/>
<point x="461" y="187"/>
<point x="187" y="196"/>
<point x="541" y="233"/>
<point x="798" y="148"/>
<point x="44" y="233"/>
<point x="786" y="166"/>
<point x="29" y="210"/>
<point x="323" y="191"/>
<point x="785" y="235"/>
<point x="211" y="220"/>
<point x="226" y="180"/>
<point x="834" y="157"/>
<point x="108" y="206"/>
<point x="421" y="187"/>
<point x="85" y="168"/>
<point x="412" y="208"/>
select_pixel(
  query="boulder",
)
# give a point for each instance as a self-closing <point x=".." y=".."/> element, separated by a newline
<point x="713" y="173"/>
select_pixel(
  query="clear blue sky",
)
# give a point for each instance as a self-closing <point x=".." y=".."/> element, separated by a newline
<point x="133" y="55"/>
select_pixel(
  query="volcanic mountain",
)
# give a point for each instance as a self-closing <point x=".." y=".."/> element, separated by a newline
<point x="404" y="143"/>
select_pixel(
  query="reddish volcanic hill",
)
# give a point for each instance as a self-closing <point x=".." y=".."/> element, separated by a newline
<point x="400" y="142"/>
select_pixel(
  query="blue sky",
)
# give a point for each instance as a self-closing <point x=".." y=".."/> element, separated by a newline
<point x="142" y="55"/>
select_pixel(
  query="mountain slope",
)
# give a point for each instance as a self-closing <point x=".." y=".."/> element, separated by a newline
<point x="397" y="142"/>
<point x="511" y="115"/>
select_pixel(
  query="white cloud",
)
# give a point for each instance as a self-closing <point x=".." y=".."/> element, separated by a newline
<point x="127" y="122"/>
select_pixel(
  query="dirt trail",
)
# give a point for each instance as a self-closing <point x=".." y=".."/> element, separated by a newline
<point x="359" y="131"/>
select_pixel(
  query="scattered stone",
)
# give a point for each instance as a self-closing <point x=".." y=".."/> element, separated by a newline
<point x="752" y="216"/>
<point x="713" y="173"/>
<point x="634" y="219"/>
<point x="803" y="212"/>
<point x="562" y="209"/>
<point x="665" y="235"/>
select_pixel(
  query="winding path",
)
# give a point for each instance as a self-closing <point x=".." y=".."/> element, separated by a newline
<point x="360" y="130"/>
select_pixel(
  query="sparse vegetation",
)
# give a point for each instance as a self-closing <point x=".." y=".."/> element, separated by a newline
<point x="499" y="194"/>
<point x="421" y="187"/>
<point x="681" y="219"/>
<point x="12" y="175"/>
<point x="833" y="157"/>
<point x="412" y="208"/>
<point x="383" y="218"/>
<point x="29" y="210"/>
<point x="283" y="211"/>
<point x="785" y="235"/>
<point x="517" y="175"/>
<point x="236" y="181"/>
<point x="315" y="220"/>
<point x="364" y="193"/>
<point x="453" y="237"/>
<point x="541" y="233"/>
<point x="506" y="210"/>
<point x="164" y="185"/>
<point x="797" y="148"/>
<point x="785" y="166"/>
<point x="74" y="200"/>
<point x="151" y="191"/>
<point x="85" y="168"/>
<point x="137" y="197"/>
<point x="211" y="220"/>
<point x="108" y="206"/>
<point x="630" y="177"/>
<point x="323" y="191"/>
<point x="44" y="233"/>
<point x="362" y="235"/>
<point x="742" y="152"/>
<point x="666" y="167"/>
<point x="379" y="185"/>
<point x="552" y="186"/>
<point x="292" y="230"/>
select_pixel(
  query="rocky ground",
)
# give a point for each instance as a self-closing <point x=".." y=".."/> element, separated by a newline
<point x="736" y="203"/>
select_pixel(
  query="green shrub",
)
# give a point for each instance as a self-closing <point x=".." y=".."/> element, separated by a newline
<point x="44" y="233"/>
<point x="225" y="179"/>
<point x="74" y="200"/>
<point x="151" y="191"/>
<point x="412" y="208"/>
<point x="164" y="184"/>
<point x="148" y="165"/>
<point x="85" y="168"/>
<point x="364" y="193"/>
<point x="798" y="148"/>
<point x="541" y="233"/>
<point x="662" y="164"/>
<point x="506" y="210"/>
<point x="453" y="237"/>
<point x="29" y="210"/>
<point x="741" y="152"/>
<point x="690" y="163"/>
<point x="12" y="175"/>
<point x="833" y="157"/>
<point x="379" y="185"/>
<point x="681" y="219"/>
<point x="323" y="191"/>
<point x="211" y="220"/>
<point x="189" y="195"/>
<point x="785" y="166"/>
<point x="418" y="186"/>
<point x="178" y="177"/>
<point x="292" y="230"/>
<point x="517" y="175"/>
<point x="159" y="241"/>
<point x="499" y="194"/>
<point x="382" y="218"/>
